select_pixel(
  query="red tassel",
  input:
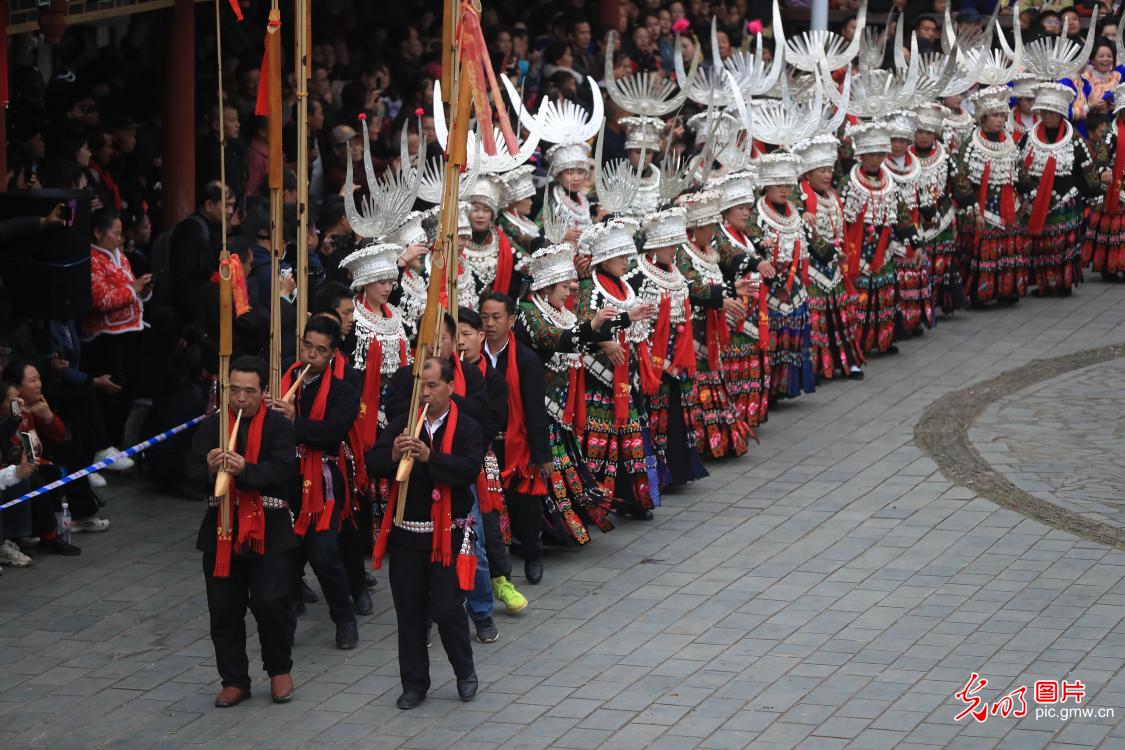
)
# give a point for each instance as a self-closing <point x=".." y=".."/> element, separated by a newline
<point x="466" y="571"/>
<point x="237" y="8"/>
<point x="222" y="558"/>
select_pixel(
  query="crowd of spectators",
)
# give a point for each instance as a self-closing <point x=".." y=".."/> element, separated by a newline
<point x="141" y="359"/>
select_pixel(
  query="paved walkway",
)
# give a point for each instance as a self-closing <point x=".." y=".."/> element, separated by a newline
<point x="1063" y="440"/>
<point x="832" y="589"/>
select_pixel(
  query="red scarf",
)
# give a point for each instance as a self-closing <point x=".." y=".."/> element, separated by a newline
<point x="854" y="244"/>
<point x="621" y="386"/>
<point x="1042" y="203"/>
<point x="315" y="510"/>
<point x="248" y="504"/>
<point x="441" y="511"/>
<point x="368" y="420"/>
<point x="505" y="262"/>
<point x="518" y="475"/>
<point x="458" y="378"/>
<point x="683" y="356"/>
<point x="105" y="178"/>
<point x="1113" y="199"/>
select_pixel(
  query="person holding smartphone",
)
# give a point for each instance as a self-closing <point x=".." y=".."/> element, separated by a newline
<point x="110" y="332"/>
<point x="18" y="465"/>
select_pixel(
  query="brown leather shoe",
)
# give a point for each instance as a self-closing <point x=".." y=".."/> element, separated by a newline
<point x="281" y="687"/>
<point x="231" y="695"/>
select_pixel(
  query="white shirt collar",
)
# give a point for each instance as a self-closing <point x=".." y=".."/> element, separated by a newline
<point x="433" y="425"/>
<point x="496" y="356"/>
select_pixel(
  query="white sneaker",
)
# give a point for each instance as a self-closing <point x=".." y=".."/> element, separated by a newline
<point x="91" y="524"/>
<point x="10" y="554"/>
<point x="97" y="481"/>
<point x="123" y="463"/>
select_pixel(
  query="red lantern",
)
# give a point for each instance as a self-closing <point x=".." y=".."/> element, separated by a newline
<point x="52" y="21"/>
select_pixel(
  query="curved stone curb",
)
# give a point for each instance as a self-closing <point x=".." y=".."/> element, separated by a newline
<point x="943" y="433"/>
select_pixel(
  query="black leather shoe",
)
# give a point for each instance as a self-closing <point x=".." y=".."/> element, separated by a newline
<point x="363" y="604"/>
<point x="533" y="571"/>
<point x="411" y="699"/>
<point x="467" y="688"/>
<point x="370" y="579"/>
<point x="308" y="596"/>
<point x="347" y="635"/>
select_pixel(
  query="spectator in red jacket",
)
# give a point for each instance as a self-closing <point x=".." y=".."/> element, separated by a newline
<point x="111" y="332"/>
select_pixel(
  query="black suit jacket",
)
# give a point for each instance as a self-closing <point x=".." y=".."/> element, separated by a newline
<point x="458" y="469"/>
<point x="533" y="396"/>
<point x="272" y="476"/>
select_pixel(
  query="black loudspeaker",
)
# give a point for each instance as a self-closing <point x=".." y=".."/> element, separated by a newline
<point x="47" y="275"/>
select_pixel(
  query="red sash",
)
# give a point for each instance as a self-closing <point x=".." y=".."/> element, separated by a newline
<point x="1042" y="201"/>
<point x="621" y="386"/>
<point x="505" y="262"/>
<point x="518" y="474"/>
<point x="316" y="511"/>
<point x="251" y="522"/>
<point x="238" y="289"/>
<point x="574" y="413"/>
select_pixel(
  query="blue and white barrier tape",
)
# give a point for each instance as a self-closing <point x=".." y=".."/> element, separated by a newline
<point x="94" y="468"/>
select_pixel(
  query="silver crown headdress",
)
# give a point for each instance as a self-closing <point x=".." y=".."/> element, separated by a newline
<point x="778" y="168"/>
<point x="1053" y="58"/>
<point x="702" y="207"/>
<point x="488" y="190"/>
<point x="783" y="122"/>
<point x="818" y="151"/>
<point x="902" y="123"/>
<point x="648" y="93"/>
<point x="810" y="47"/>
<point x="870" y="138"/>
<point x="551" y="265"/>
<point x="375" y="262"/>
<point x="1053" y="97"/>
<point x="931" y="117"/>
<point x="609" y="239"/>
<point x="389" y="199"/>
<point x="518" y="184"/>
<point x="410" y="231"/>
<point x="737" y="189"/>
<point x="990" y="100"/>
<point x="666" y="228"/>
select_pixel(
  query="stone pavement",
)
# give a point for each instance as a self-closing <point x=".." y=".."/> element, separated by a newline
<point x="1040" y="436"/>
<point x="831" y="589"/>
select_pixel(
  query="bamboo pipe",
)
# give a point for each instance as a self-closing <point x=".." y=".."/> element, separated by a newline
<point x="222" y="479"/>
<point x="405" y="466"/>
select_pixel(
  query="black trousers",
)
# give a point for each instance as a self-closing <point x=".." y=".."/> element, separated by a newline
<point x="526" y="512"/>
<point x="499" y="564"/>
<point x="322" y="551"/>
<point x="423" y="590"/>
<point x="355" y="548"/>
<point x="263" y="583"/>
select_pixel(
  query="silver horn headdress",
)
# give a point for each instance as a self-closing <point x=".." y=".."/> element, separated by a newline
<point x="749" y="69"/>
<point x="995" y="67"/>
<point x="877" y="92"/>
<point x="647" y="93"/>
<point x="1054" y="58"/>
<point x="560" y="122"/>
<point x="389" y="199"/>
<point x="806" y="51"/>
<point x="616" y="182"/>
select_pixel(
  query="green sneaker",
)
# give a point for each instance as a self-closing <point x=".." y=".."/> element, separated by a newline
<point x="506" y="593"/>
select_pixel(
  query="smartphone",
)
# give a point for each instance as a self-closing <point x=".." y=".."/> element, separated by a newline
<point x="15" y="407"/>
<point x="67" y="212"/>
<point x="28" y="446"/>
